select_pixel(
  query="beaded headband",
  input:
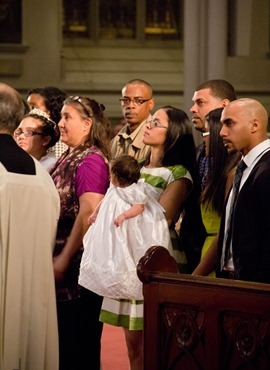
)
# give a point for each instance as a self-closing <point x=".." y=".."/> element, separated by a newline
<point x="40" y="113"/>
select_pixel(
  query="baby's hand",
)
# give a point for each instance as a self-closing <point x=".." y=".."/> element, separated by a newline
<point x="91" y="219"/>
<point x="119" y="220"/>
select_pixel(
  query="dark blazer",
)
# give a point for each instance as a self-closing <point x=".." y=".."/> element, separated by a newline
<point x="14" y="158"/>
<point x="251" y="226"/>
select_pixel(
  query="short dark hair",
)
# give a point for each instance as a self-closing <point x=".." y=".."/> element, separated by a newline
<point x="138" y="81"/>
<point x="219" y="88"/>
<point x="126" y="169"/>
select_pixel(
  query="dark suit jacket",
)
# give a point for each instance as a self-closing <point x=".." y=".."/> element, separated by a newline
<point x="251" y="226"/>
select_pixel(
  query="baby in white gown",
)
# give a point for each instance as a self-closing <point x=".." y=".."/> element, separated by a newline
<point x="128" y="221"/>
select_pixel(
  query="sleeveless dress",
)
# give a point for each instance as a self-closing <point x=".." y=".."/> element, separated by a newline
<point x="128" y="313"/>
<point x="111" y="253"/>
<point x="211" y="221"/>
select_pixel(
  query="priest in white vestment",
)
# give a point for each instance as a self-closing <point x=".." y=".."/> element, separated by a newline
<point x="29" y="211"/>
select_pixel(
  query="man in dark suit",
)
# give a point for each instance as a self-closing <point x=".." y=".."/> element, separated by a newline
<point x="208" y="95"/>
<point x="244" y="129"/>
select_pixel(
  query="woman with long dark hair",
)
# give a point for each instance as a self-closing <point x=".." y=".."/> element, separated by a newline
<point x="219" y="179"/>
<point x="171" y="170"/>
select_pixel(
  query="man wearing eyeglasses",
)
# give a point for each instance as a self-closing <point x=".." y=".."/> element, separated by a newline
<point x="136" y="104"/>
<point x="30" y="209"/>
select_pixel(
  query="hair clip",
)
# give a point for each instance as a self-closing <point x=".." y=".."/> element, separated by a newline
<point x="101" y="107"/>
<point x="205" y="134"/>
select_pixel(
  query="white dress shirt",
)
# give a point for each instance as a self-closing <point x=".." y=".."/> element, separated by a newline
<point x="253" y="156"/>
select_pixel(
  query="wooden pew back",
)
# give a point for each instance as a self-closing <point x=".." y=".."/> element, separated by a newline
<point x="202" y="323"/>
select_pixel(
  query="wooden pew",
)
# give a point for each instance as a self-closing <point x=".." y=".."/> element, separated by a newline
<point x="202" y="323"/>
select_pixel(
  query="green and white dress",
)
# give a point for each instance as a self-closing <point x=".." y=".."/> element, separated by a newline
<point x="128" y="313"/>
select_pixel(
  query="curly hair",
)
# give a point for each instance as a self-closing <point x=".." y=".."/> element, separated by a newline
<point x="53" y="100"/>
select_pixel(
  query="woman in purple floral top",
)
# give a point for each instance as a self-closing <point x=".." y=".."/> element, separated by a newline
<point x="81" y="176"/>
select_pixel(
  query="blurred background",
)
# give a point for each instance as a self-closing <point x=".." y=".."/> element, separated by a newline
<point x="93" y="47"/>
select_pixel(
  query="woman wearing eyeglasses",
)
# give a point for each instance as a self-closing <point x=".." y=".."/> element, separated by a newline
<point x="81" y="176"/>
<point x="171" y="166"/>
<point x="171" y="170"/>
<point x="36" y="134"/>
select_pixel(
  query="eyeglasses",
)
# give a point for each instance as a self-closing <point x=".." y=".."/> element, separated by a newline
<point x="136" y="101"/>
<point x="79" y="100"/>
<point x="154" y="123"/>
<point x="27" y="133"/>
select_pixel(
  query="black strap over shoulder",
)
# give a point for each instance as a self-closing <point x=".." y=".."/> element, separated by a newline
<point x="14" y="158"/>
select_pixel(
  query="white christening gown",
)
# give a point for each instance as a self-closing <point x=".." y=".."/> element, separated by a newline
<point x="109" y="262"/>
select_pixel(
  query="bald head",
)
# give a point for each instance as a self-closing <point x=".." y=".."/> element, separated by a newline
<point x="244" y="125"/>
<point x="253" y="109"/>
<point x="12" y="109"/>
<point x="6" y="88"/>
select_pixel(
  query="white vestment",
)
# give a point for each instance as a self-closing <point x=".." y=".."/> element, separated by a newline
<point x="29" y="211"/>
